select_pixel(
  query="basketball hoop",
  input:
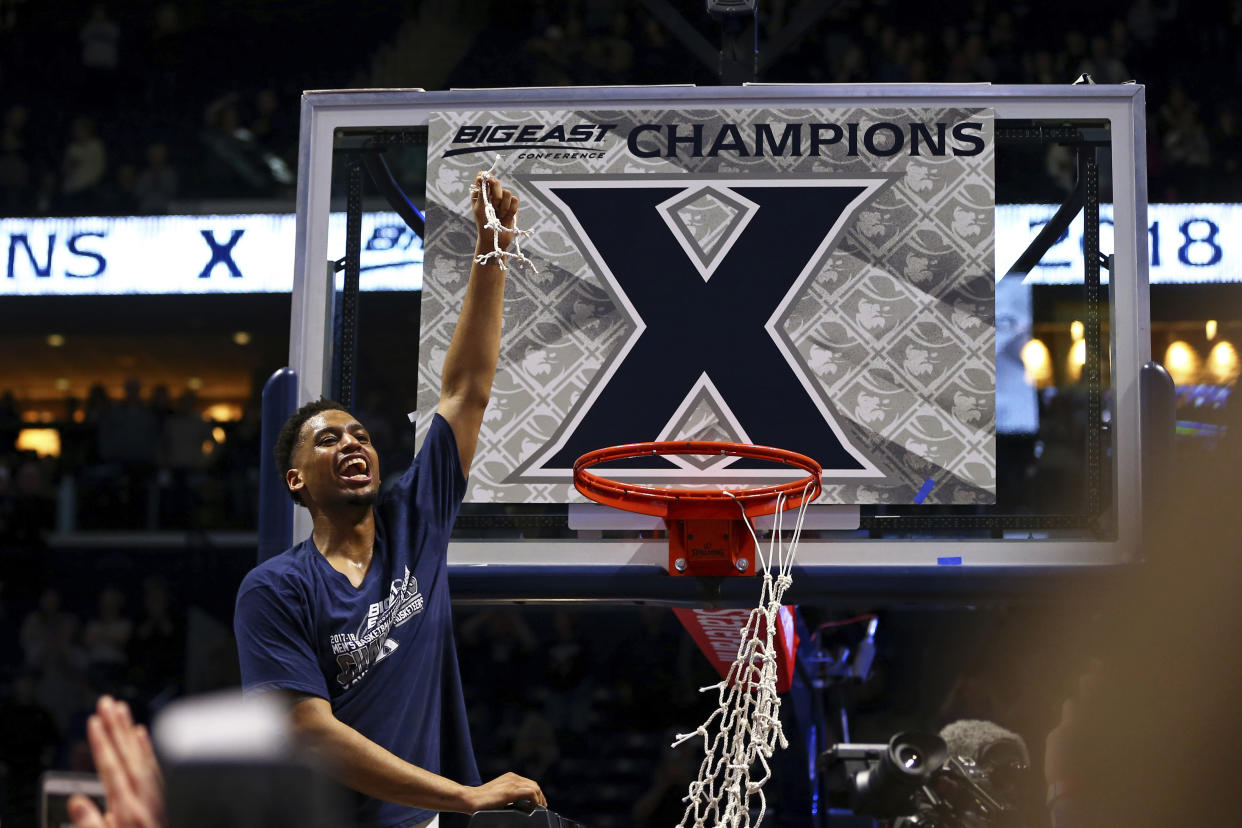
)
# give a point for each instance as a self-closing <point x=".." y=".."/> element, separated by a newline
<point x="708" y="532"/>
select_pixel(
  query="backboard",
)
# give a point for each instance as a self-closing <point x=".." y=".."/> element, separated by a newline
<point x="976" y="405"/>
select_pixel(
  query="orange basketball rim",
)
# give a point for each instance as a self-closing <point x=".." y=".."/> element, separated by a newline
<point x="707" y="528"/>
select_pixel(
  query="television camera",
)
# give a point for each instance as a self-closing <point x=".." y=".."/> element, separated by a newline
<point x="975" y="777"/>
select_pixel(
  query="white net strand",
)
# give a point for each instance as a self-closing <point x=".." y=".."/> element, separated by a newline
<point x="493" y="224"/>
<point x="748" y="713"/>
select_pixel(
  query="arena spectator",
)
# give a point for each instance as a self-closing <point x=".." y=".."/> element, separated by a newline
<point x="1040" y="67"/>
<point x="157" y="183"/>
<point x="100" y="37"/>
<point x="1102" y="65"/>
<point x="14" y="182"/>
<point x="549" y="54"/>
<point x="181" y="457"/>
<point x="44" y="625"/>
<point x="616" y="48"/>
<point x="106" y="636"/>
<point x="128" y="437"/>
<point x="568" y="677"/>
<point x="15" y="169"/>
<point x="33" y="500"/>
<point x="979" y="65"/>
<point x="233" y="160"/>
<point x="84" y="165"/>
<point x="234" y="471"/>
<point x="1143" y="23"/>
<point x="183" y="434"/>
<point x="1073" y="55"/>
<point x="62" y="682"/>
<point x="1187" y="149"/>
<point x="653" y="58"/>
<point x="269" y="124"/>
<point x="121" y="198"/>
<point x="498" y="642"/>
<point x="157" y="648"/>
<point x="1004" y="46"/>
<point x="7" y="503"/>
<point x="1227" y="142"/>
<point x="47" y="199"/>
<point x="10" y="421"/>
<point x="165" y="54"/>
<point x="161" y="405"/>
<point x="97" y="403"/>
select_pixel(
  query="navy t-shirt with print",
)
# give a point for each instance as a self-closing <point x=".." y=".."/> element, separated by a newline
<point x="382" y="653"/>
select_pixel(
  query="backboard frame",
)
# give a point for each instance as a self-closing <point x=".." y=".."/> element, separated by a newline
<point x="324" y="112"/>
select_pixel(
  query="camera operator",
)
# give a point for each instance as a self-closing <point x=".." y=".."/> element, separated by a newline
<point x="1149" y="736"/>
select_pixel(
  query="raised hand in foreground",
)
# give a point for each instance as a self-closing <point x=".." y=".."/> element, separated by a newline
<point x="126" y="764"/>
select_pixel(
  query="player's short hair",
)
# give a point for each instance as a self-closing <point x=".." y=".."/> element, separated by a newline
<point x="291" y="432"/>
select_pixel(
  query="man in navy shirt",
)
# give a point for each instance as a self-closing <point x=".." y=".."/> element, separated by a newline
<point x="354" y="623"/>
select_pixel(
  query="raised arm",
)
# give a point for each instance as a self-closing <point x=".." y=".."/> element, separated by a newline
<point x="470" y="365"/>
<point x="357" y="762"/>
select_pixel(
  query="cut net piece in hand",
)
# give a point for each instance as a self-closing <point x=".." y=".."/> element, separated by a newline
<point x="747" y="722"/>
<point x="493" y="223"/>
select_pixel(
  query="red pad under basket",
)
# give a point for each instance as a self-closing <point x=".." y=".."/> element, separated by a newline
<point x="719" y="634"/>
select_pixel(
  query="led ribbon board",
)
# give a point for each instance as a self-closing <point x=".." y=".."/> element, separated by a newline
<point x="1186" y="243"/>
<point x="101" y="255"/>
<point x="821" y="280"/>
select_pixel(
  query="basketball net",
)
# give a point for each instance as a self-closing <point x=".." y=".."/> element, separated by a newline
<point x="493" y="223"/>
<point x="747" y="719"/>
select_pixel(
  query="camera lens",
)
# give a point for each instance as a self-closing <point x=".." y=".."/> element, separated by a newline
<point x="909" y="757"/>
<point x="909" y="761"/>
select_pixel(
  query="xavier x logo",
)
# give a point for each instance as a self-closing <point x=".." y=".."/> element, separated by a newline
<point x="221" y="253"/>
<point x="705" y="269"/>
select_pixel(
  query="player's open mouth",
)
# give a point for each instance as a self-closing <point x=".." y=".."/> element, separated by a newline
<point x="355" y="469"/>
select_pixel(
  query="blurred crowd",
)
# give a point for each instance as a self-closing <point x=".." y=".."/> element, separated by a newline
<point x="123" y="108"/>
<point x="148" y="461"/>
<point x="167" y="112"/>
<point x="142" y="462"/>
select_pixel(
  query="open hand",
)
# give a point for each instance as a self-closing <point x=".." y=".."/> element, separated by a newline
<point x="126" y="764"/>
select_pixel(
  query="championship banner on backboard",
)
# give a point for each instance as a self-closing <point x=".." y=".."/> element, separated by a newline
<point x="820" y="280"/>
